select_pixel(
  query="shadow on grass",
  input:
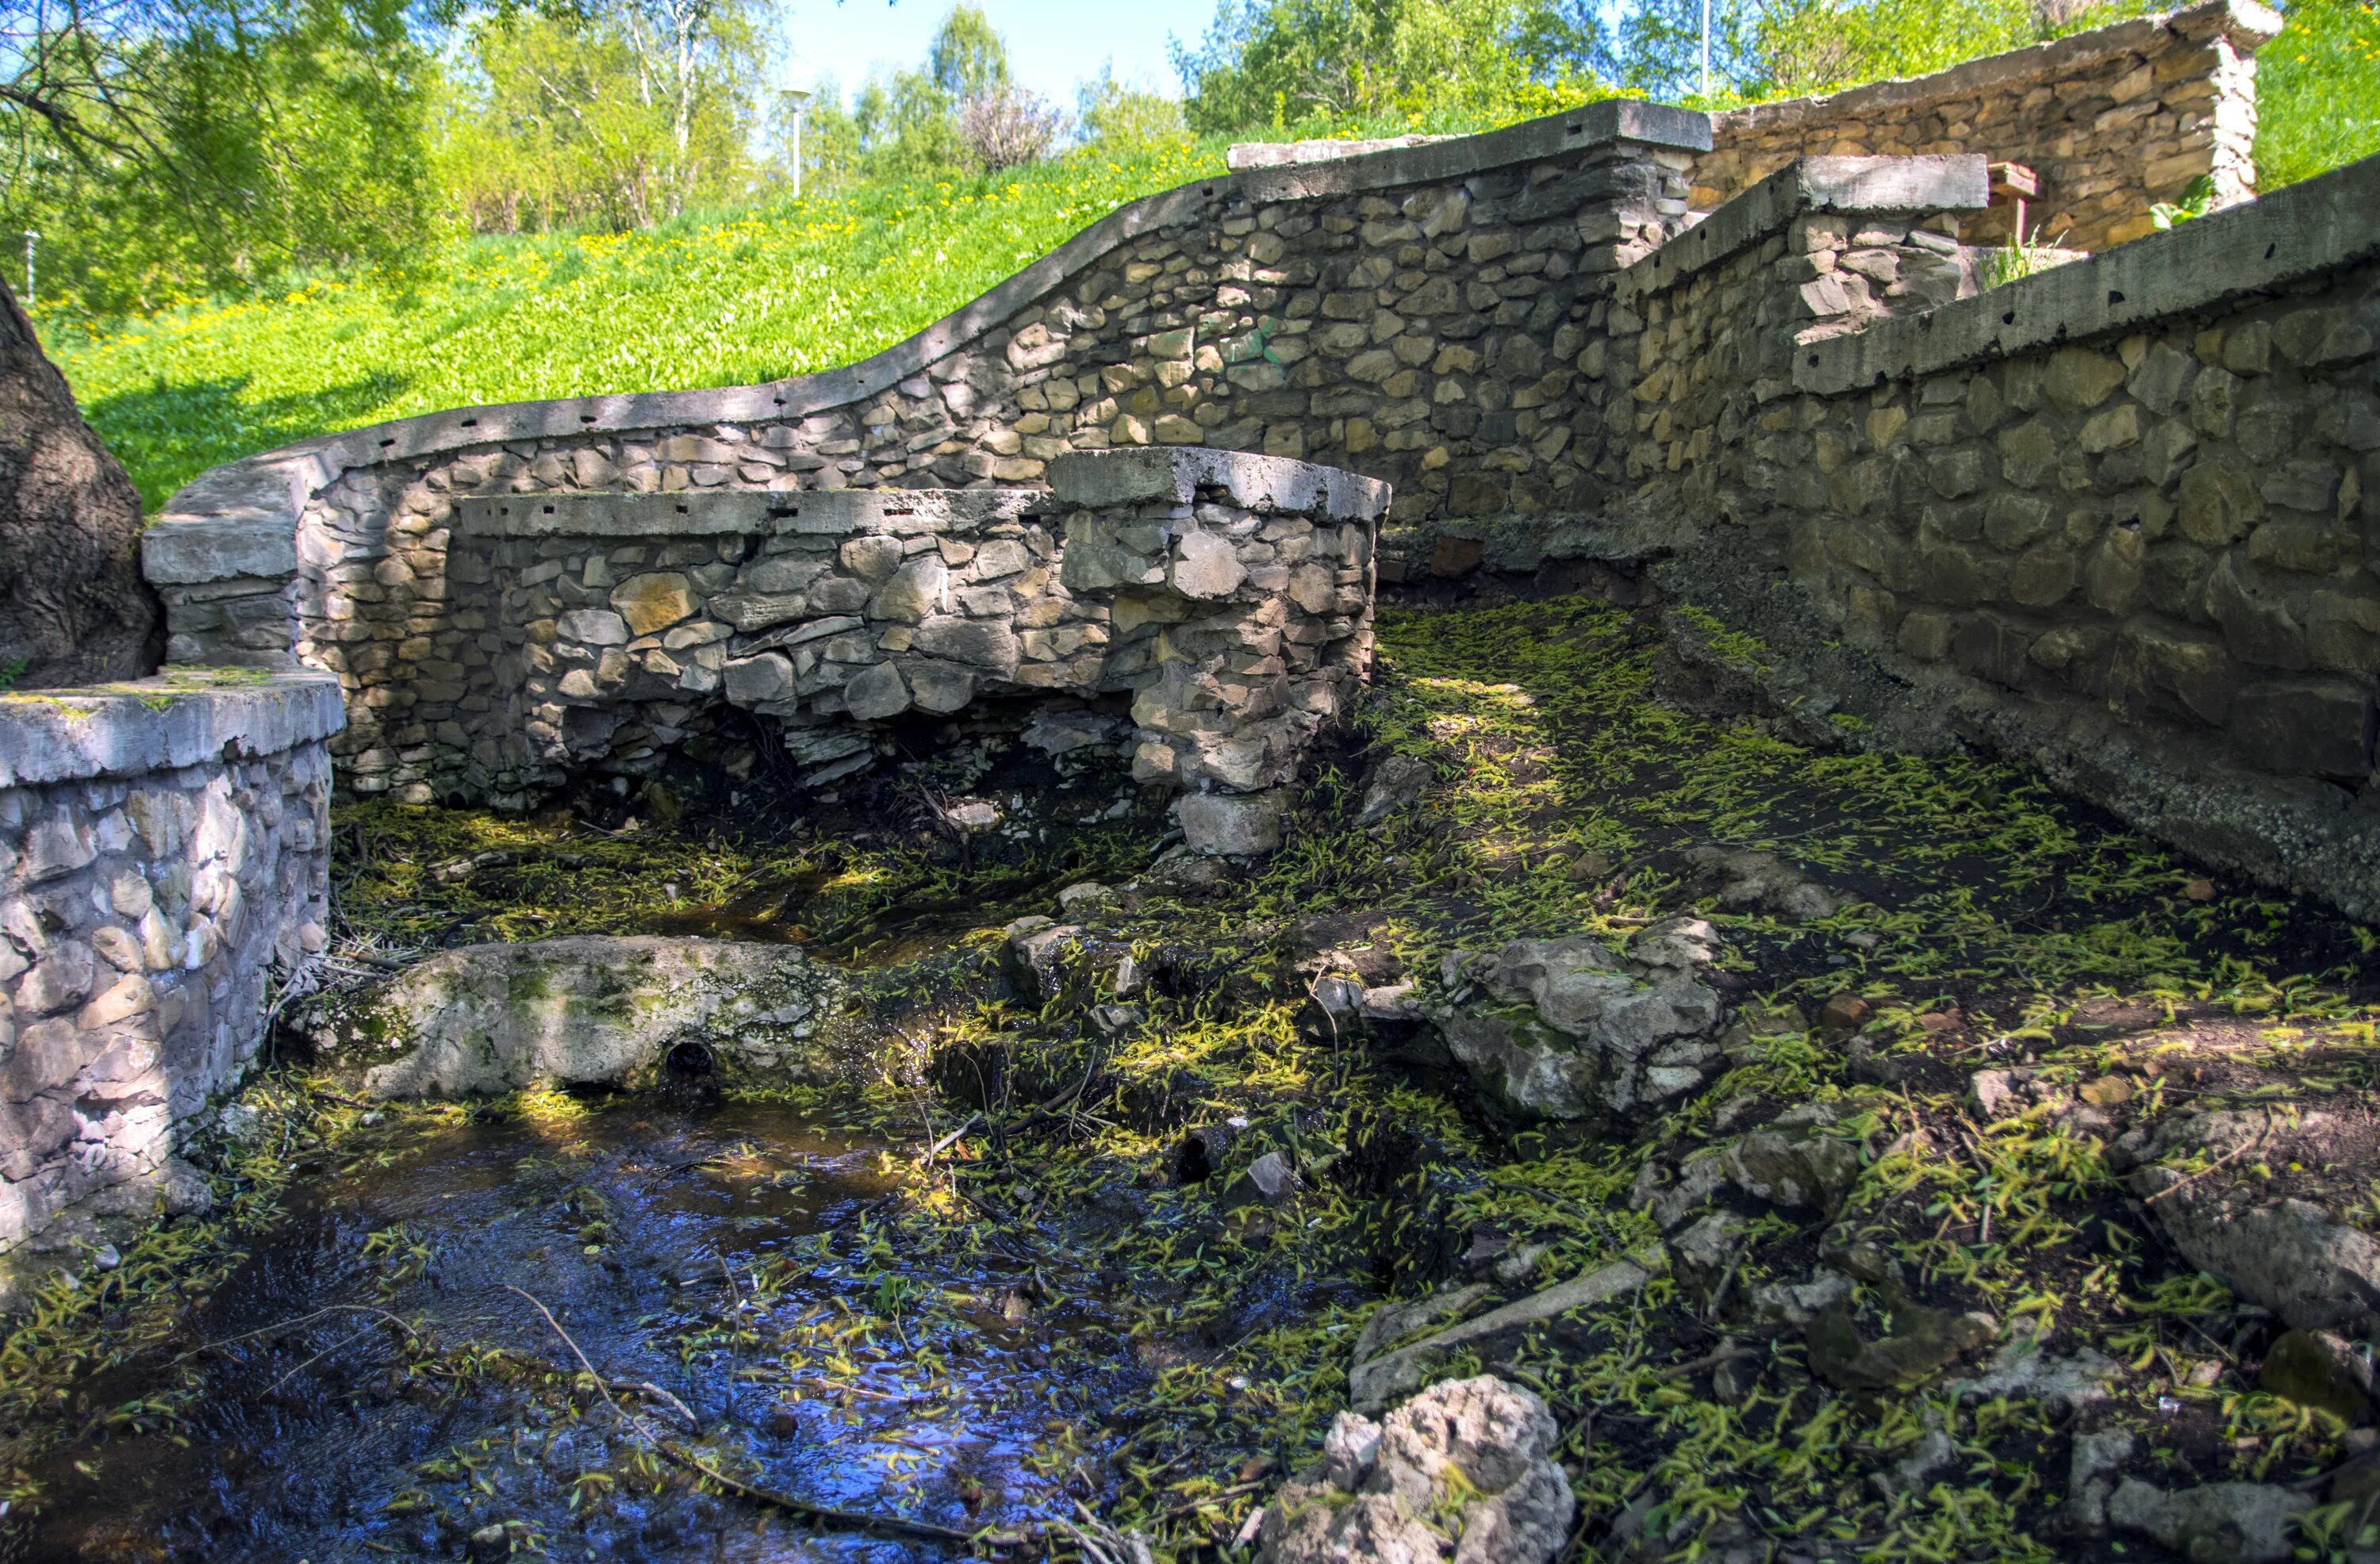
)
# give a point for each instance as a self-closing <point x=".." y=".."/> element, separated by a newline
<point x="169" y="434"/>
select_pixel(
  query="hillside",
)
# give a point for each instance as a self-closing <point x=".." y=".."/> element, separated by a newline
<point x="726" y="301"/>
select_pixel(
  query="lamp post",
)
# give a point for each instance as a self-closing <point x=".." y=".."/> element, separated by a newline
<point x="1707" y="5"/>
<point x="796" y="101"/>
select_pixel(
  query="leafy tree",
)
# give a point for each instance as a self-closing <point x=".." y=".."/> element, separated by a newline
<point x="1126" y="119"/>
<point x="620" y="115"/>
<point x="1280" y="62"/>
<point x="165" y="148"/>
<point x="962" y="114"/>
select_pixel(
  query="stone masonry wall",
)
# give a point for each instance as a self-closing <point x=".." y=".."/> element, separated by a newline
<point x="2122" y="517"/>
<point x="1412" y="315"/>
<point x="1209" y="610"/>
<point x="2113" y="121"/>
<point x="163" y="850"/>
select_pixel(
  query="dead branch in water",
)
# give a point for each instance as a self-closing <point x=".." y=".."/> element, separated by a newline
<point x="678" y="1455"/>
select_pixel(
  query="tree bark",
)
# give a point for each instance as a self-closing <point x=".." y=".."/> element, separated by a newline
<point x="74" y="609"/>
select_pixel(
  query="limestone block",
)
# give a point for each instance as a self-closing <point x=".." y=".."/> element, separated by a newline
<point x="653" y="602"/>
<point x="877" y="692"/>
<point x="1231" y="825"/>
<point x="756" y="681"/>
<point x="594" y="628"/>
<point x="914" y="592"/>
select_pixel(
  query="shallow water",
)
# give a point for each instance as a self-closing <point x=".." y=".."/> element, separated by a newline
<point x="727" y="1253"/>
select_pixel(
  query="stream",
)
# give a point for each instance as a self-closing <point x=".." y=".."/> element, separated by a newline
<point x="725" y="1253"/>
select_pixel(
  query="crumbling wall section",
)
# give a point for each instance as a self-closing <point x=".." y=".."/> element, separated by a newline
<point x="2113" y="122"/>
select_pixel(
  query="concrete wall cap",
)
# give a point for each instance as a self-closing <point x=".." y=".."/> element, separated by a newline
<point x="2318" y="225"/>
<point x="1173" y="475"/>
<point x="732" y="512"/>
<point x="190" y="717"/>
<point x="241" y="539"/>
<point x="1611" y="121"/>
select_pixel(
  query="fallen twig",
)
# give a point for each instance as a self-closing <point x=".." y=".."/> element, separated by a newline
<point x="678" y="1455"/>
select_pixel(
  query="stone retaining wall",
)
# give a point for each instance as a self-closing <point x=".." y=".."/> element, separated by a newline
<point x="2113" y="121"/>
<point x="2122" y="517"/>
<point x="1209" y="610"/>
<point x="1412" y="315"/>
<point x="164" y="851"/>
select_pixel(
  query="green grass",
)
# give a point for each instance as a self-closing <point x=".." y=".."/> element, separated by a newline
<point x="724" y="301"/>
<point x="2318" y="90"/>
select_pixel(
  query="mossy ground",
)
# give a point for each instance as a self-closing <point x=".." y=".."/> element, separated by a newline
<point x="1989" y="922"/>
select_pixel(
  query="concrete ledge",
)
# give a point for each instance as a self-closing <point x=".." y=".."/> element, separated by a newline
<point x="1173" y="475"/>
<point x="2321" y="225"/>
<point x="2248" y="24"/>
<point x="245" y="540"/>
<point x="1534" y="141"/>
<point x="1902" y="185"/>
<point x="734" y="512"/>
<point x="1280" y="154"/>
<point x="182" y="717"/>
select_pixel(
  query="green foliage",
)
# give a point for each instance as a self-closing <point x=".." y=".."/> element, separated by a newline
<point x="2318" y="91"/>
<point x="726" y="300"/>
<point x="617" y="117"/>
<point x="1279" y="63"/>
<point x="168" y="150"/>
<point x="1122" y="119"/>
<point x="1807" y="46"/>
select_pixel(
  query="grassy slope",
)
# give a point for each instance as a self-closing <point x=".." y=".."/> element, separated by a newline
<point x="2318" y="86"/>
<point x="780" y="291"/>
<point x="772" y="292"/>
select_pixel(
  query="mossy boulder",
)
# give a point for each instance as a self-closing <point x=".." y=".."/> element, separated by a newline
<point x="583" y="1011"/>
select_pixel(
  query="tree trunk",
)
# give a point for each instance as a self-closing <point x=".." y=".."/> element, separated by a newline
<point x="73" y="607"/>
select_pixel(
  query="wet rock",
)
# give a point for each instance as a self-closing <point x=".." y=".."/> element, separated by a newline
<point x="582" y="1011"/>
<point x="2087" y="1482"/>
<point x="2023" y="1368"/>
<point x="1231" y="825"/>
<point x="1922" y="1342"/>
<point x="1029" y="953"/>
<point x="1270" y="1179"/>
<point x="1200" y="1155"/>
<point x="1114" y="1020"/>
<point x="1567" y="1029"/>
<point x="1475" y="1455"/>
<point x="1790" y="1162"/>
<point x="2316" y="1368"/>
<point x="1395" y="785"/>
<point x="1750" y="881"/>
<point x="2215" y="1523"/>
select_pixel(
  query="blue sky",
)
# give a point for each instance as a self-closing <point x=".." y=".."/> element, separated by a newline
<point x="1051" y="44"/>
